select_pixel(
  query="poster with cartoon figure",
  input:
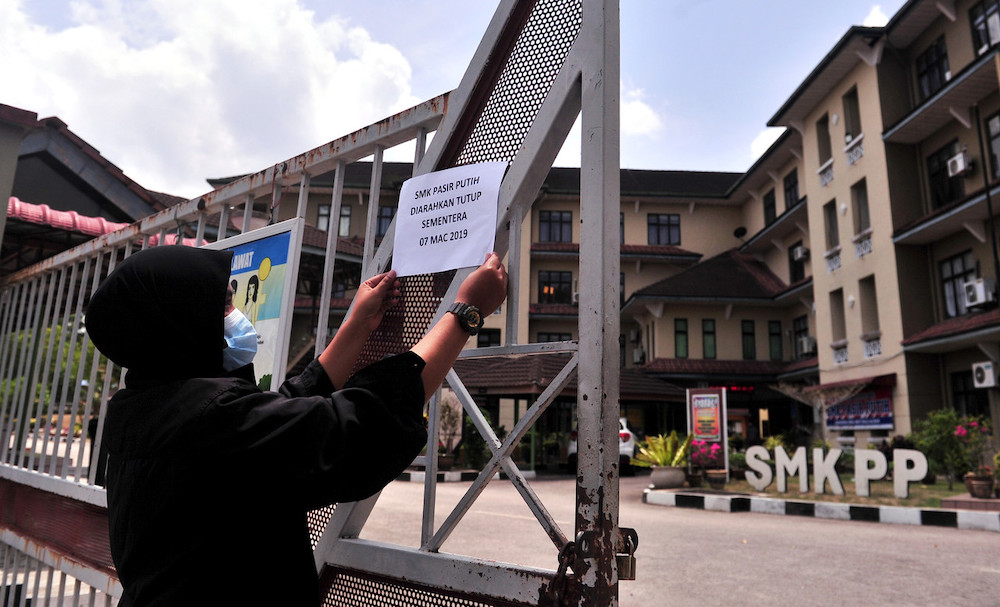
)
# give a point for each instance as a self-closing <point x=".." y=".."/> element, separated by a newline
<point x="264" y="269"/>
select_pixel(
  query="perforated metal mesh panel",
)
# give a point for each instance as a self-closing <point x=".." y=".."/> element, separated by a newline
<point x="525" y="81"/>
<point x="404" y="325"/>
<point x="355" y="589"/>
<point x="318" y="520"/>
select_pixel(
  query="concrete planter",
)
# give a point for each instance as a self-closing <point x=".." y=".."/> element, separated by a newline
<point x="667" y="477"/>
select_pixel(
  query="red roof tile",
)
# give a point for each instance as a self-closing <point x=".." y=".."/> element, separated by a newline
<point x="956" y="326"/>
<point x="701" y="366"/>
<point x="550" y="309"/>
<point x="729" y="275"/>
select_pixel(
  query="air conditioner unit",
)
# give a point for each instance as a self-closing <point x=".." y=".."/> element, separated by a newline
<point x="958" y="165"/>
<point x="980" y="292"/>
<point x="983" y="375"/>
<point x="576" y="297"/>
<point x="993" y="27"/>
<point x="800" y="253"/>
<point x="807" y="344"/>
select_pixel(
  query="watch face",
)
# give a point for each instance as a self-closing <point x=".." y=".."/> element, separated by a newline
<point x="474" y="318"/>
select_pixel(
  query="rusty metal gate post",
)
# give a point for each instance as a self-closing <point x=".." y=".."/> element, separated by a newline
<point x="597" y="400"/>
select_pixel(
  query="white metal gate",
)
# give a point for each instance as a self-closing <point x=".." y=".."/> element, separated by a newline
<point x="541" y="64"/>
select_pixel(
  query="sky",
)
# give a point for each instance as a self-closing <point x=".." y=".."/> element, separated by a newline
<point x="175" y="92"/>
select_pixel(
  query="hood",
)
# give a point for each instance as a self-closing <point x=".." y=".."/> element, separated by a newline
<point x="160" y="313"/>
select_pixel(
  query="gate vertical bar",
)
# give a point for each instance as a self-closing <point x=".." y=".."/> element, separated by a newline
<point x="598" y="406"/>
<point x="332" y="238"/>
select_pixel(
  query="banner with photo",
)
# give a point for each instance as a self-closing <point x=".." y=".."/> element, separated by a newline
<point x="264" y="270"/>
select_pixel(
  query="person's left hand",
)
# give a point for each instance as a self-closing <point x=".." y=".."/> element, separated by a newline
<point x="375" y="296"/>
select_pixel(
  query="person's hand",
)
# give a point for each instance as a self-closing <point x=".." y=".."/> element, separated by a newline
<point x="486" y="287"/>
<point x="375" y="296"/>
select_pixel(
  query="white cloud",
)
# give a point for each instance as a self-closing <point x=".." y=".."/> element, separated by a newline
<point x="638" y="118"/>
<point x="764" y="140"/>
<point x="208" y="88"/>
<point x="876" y="18"/>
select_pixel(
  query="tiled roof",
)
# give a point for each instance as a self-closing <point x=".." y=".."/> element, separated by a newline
<point x="550" y="309"/>
<point x="729" y="275"/>
<point x="531" y="374"/>
<point x="956" y="326"/>
<point x="627" y="250"/>
<point x="729" y="368"/>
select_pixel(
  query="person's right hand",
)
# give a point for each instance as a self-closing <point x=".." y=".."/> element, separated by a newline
<point x="486" y="287"/>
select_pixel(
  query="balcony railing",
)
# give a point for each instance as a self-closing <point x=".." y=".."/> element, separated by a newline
<point x="826" y="173"/>
<point x="840" y="355"/>
<point x="873" y="347"/>
<point x="863" y="244"/>
<point x="855" y="150"/>
<point x="832" y="259"/>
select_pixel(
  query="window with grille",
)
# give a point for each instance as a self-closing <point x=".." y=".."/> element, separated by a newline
<point x="487" y="338"/>
<point x="708" y="338"/>
<point x="323" y="217"/>
<point x="385" y="215"/>
<point x="770" y="208"/>
<point x="791" y="188"/>
<point x="555" y="226"/>
<point x="664" y="228"/>
<point x="749" y="340"/>
<point x="832" y="228"/>
<point x="823" y="139"/>
<point x="932" y="69"/>
<point x="955" y="272"/>
<point x="550" y="337"/>
<point x="852" y="116"/>
<point x="859" y="199"/>
<point x="985" y="20"/>
<point x="774" y="339"/>
<point x="345" y="220"/>
<point x="966" y="398"/>
<point x="796" y="267"/>
<point x="945" y="189"/>
<point x="555" y="287"/>
<point x="680" y="338"/>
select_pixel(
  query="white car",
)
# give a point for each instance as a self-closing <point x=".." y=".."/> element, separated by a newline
<point x="626" y="448"/>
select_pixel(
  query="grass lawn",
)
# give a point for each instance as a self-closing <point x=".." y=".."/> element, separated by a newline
<point x="882" y="492"/>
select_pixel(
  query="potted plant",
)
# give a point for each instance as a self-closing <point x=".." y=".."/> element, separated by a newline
<point x="974" y="438"/>
<point x="708" y="457"/>
<point x="666" y="455"/>
<point x="451" y="430"/>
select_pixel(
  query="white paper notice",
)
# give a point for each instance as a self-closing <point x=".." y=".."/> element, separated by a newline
<point x="447" y="219"/>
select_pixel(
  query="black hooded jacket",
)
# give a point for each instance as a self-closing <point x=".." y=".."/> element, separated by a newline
<point x="209" y="479"/>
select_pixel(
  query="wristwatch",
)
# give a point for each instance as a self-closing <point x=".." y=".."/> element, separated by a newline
<point x="469" y="316"/>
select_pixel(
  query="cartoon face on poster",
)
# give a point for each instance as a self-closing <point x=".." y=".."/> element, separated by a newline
<point x="258" y="278"/>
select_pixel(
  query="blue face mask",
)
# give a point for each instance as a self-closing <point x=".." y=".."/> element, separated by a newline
<point x="242" y="340"/>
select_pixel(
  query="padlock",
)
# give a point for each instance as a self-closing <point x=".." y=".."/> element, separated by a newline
<point x="626" y="566"/>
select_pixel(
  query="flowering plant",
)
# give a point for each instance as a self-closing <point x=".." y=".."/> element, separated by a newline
<point x="706" y="455"/>
<point x="974" y="437"/>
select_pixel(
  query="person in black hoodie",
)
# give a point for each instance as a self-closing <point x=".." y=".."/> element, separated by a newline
<point x="209" y="479"/>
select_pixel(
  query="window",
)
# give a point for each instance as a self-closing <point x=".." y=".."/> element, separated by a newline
<point x="774" y="339"/>
<point x="555" y="287"/>
<point x="770" y="212"/>
<point x="680" y="338"/>
<point x="708" y="338"/>
<point x="800" y="329"/>
<point x="944" y="189"/>
<point x="664" y="228"/>
<point x="345" y="220"/>
<point x="823" y="139"/>
<point x="838" y="324"/>
<point x="993" y="129"/>
<point x="955" y="272"/>
<point x="487" y="338"/>
<point x="830" y="220"/>
<point x="749" y="340"/>
<point x="384" y="219"/>
<point x="932" y="69"/>
<point x="859" y="200"/>
<point x="966" y="398"/>
<point x="549" y="337"/>
<point x="555" y="226"/>
<point x="323" y="217"/>
<point x="791" y="189"/>
<point x="852" y="116"/>
<point x="796" y="268"/>
<point x="985" y="22"/>
<point x="869" y="305"/>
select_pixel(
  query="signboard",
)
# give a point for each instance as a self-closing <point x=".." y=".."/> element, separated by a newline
<point x="264" y="270"/>
<point x="868" y="410"/>
<point x="447" y="219"/>
<point x="706" y="409"/>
